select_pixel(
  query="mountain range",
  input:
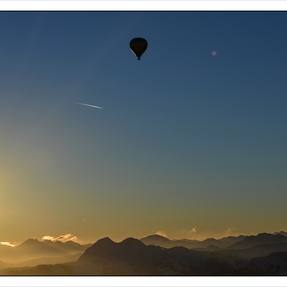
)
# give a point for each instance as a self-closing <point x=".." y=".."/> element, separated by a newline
<point x="162" y="241"/>
<point x="233" y="242"/>
<point x="33" y="252"/>
<point x="261" y="254"/>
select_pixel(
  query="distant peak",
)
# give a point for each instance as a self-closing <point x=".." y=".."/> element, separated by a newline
<point x="267" y="235"/>
<point x="155" y="237"/>
<point x="105" y="241"/>
<point x="132" y="242"/>
<point x="284" y="233"/>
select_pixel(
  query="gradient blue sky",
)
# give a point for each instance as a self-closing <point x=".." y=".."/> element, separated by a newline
<point x="187" y="144"/>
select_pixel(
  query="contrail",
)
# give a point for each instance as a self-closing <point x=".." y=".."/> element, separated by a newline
<point x="91" y="106"/>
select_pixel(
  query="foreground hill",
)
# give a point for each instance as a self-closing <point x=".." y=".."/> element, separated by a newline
<point x="131" y="256"/>
<point x="276" y="263"/>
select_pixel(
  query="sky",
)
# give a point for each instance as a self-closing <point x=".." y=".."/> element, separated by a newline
<point x="191" y="141"/>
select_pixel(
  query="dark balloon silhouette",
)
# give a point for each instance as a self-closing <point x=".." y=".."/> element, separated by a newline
<point x="138" y="46"/>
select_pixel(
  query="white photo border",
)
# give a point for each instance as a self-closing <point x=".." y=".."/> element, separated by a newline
<point x="143" y="5"/>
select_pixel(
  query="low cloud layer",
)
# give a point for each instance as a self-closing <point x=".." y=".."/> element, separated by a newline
<point x="6" y="243"/>
<point x="62" y="238"/>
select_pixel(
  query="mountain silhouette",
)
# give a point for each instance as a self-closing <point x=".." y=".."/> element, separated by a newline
<point x="259" y="239"/>
<point x="260" y="250"/>
<point x="34" y="252"/>
<point x="132" y="257"/>
<point x="281" y="233"/>
<point x="261" y="254"/>
<point x="47" y="246"/>
<point x="32" y="246"/>
<point x="158" y="240"/>
<point x="162" y="241"/>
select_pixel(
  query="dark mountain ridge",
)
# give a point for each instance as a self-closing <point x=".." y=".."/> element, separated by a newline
<point x="132" y="257"/>
<point x="259" y="239"/>
<point x="162" y="241"/>
<point x="230" y="242"/>
<point x="261" y="254"/>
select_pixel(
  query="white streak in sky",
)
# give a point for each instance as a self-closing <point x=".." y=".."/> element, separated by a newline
<point x="91" y="106"/>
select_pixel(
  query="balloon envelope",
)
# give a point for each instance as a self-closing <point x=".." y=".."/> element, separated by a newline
<point x="138" y="46"/>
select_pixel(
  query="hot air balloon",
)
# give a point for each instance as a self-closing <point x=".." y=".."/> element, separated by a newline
<point x="138" y="46"/>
